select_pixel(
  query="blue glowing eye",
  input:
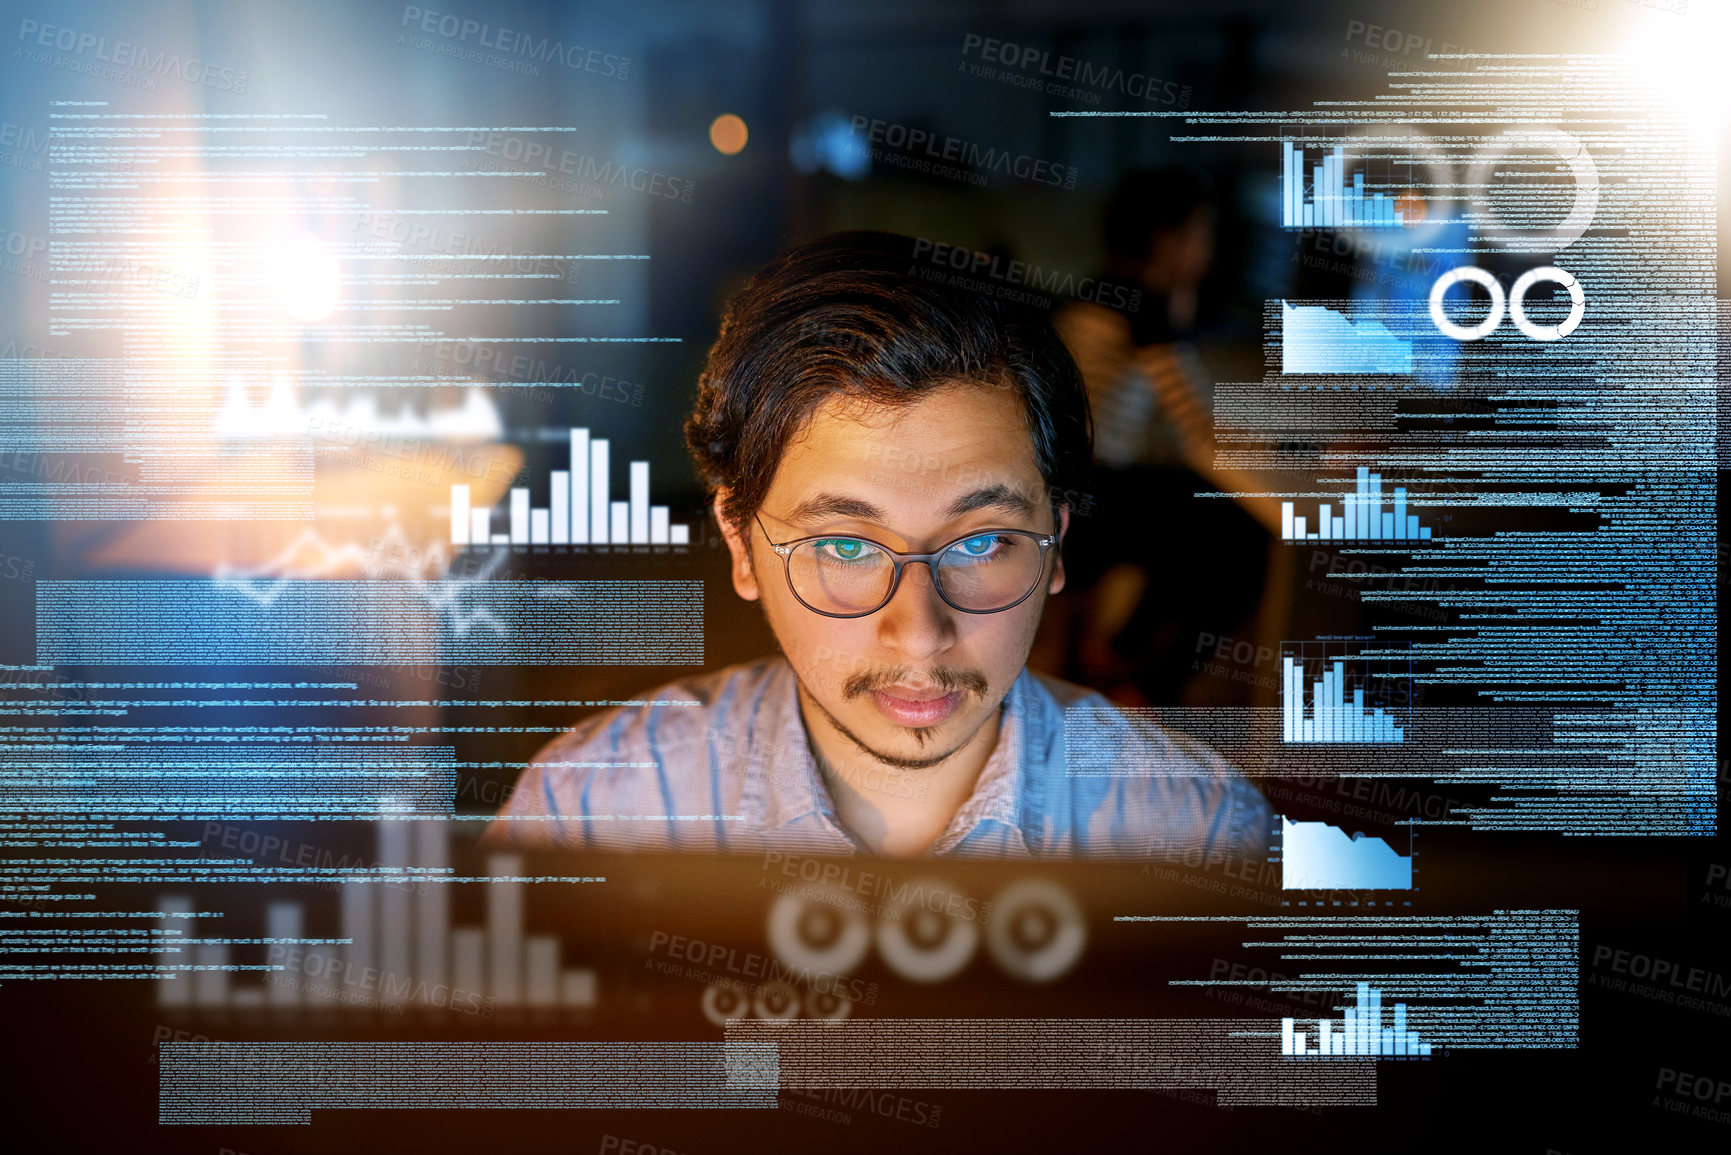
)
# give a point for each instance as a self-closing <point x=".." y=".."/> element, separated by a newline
<point x="843" y="548"/>
<point x="980" y="546"/>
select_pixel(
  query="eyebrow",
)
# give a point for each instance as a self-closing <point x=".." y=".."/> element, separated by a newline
<point x="993" y="496"/>
<point x="834" y="505"/>
<point x="838" y="505"/>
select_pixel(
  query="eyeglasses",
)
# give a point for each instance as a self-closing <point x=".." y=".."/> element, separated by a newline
<point x="986" y="572"/>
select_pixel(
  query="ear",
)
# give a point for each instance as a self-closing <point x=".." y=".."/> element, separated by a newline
<point x="744" y="575"/>
<point x="1057" y="582"/>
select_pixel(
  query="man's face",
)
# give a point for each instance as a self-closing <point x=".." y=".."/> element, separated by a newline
<point x="912" y="683"/>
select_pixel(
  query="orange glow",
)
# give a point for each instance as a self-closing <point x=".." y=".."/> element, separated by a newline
<point x="1411" y="207"/>
<point x="727" y="133"/>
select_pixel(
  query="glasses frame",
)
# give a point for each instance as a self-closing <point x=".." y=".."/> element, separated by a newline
<point x="901" y="558"/>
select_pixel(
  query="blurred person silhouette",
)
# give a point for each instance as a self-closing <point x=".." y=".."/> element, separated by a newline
<point x="1161" y="568"/>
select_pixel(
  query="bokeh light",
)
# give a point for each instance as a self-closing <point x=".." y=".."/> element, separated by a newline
<point x="728" y="134"/>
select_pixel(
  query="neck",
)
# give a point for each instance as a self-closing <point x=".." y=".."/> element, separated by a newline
<point x="894" y="810"/>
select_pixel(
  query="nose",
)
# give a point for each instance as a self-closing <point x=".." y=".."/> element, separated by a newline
<point x="917" y="622"/>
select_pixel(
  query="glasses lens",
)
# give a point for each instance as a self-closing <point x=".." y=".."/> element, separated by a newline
<point x="991" y="571"/>
<point x="840" y="575"/>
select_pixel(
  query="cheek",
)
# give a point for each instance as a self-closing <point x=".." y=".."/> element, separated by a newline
<point x="825" y="656"/>
<point x="999" y="649"/>
<point x="1026" y="628"/>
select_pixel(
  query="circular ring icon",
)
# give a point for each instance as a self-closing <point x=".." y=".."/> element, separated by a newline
<point x="1544" y="142"/>
<point x="813" y="929"/>
<point x="721" y="1003"/>
<point x="1577" y="303"/>
<point x="925" y="945"/>
<point x="776" y="1000"/>
<point x="1036" y="932"/>
<point x="826" y="1005"/>
<point x="1477" y="276"/>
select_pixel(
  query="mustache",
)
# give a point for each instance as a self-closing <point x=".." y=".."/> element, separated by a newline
<point x="949" y="681"/>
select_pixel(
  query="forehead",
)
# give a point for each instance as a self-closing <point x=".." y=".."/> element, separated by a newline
<point x="913" y="459"/>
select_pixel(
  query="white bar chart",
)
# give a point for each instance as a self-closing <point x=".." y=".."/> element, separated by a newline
<point x="401" y="948"/>
<point x="580" y="509"/>
<point x="1359" y="1034"/>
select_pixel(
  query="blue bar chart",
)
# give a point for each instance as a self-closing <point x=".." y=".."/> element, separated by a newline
<point x="1359" y="1034"/>
<point x="1320" y="196"/>
<point x="580" y="509"/>
<point x="1321" y="856"/>
<point x="1361" y="516"/>
<point x="1353" y="697"/>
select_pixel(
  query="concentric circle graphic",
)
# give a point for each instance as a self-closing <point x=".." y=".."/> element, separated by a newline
<point x="1546" y="141"/>
<point x="826" y="1005"/>
<point x="721" y="1003"/>
<point x="1037" y="931"/>
<point x="776" y="1000"/>
<point x="924" y="945"/>
<point x="815" y="930"/>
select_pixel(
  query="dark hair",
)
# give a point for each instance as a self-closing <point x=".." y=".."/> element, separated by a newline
<point x="849" y="315"/>
<point x="1149" y="201"/>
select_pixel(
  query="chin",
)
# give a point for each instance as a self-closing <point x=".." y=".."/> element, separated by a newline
<point x="940" y="740"/>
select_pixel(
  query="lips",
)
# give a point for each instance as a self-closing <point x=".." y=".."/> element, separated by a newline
<point x="916" y="708"/>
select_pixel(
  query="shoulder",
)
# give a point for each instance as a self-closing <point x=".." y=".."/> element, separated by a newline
<point x="669" y="751"/>
<point x="1132" y="786"/>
